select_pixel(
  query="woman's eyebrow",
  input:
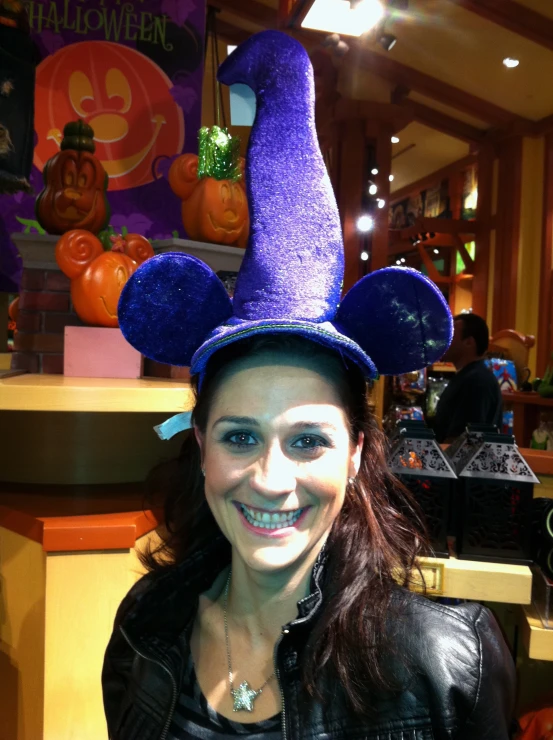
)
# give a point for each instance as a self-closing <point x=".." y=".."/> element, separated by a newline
<point x="248" y="420"/>
<point x="300" y="425"/>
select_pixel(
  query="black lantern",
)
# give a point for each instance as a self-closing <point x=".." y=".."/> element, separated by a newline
<point x="495" y="501"/>
<point x="418" y="461"/>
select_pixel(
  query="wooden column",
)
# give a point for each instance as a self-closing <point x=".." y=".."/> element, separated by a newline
<point x="545" y="334"/>
<point x="483" y="215"/>
<point x="380" y="236"/>
<point x="507" y="234"/>
<point x="351" y="178"/>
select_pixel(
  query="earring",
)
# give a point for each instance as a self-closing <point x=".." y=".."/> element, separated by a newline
<point x="351" y="481"/>
<point x="203" y="471"/>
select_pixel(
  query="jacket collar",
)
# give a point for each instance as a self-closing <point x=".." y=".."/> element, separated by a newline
<point x="164" y="604"/>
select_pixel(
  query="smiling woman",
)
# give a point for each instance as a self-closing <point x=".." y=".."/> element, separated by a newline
<point x="277" y="604"/>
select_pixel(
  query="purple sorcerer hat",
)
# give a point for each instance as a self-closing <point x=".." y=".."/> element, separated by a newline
<point x="174" y="309"/>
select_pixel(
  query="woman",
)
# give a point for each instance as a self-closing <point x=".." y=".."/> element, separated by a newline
<point x="286" y="578"/>
<point x="277" y="607"/>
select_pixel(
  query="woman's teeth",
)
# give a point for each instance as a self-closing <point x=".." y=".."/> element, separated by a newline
<point x="264" y="520"/>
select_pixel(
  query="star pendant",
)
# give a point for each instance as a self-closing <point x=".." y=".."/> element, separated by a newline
<point x="244" y="697"/>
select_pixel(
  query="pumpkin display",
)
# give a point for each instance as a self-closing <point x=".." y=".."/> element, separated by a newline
<point x="75" y="184"/>
<point x="123" y="95"/>
<point x="98" y="276"/>
<point x="212" y="189"/>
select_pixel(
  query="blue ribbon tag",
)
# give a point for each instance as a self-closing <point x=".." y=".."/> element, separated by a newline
<point x="174" y="425"/>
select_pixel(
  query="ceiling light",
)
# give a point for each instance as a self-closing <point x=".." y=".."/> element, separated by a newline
<point x="395" y="139"/>
<point x="436" y="251"/>
<point x="365" y="223"/>
<point x="344" y="17"/>
<point x="372" y="189"/>
<point x="374" y="171"/>
<point x="511" y="63"/>
<point x="398" y="262"/>
<point x="364" y="256"/>
<point x="403" y="259"/>
<point x="387" y="41"/>
<point x="381" y="202"/>
<point x="391" y="178"/>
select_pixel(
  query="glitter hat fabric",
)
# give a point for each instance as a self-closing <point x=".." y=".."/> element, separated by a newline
<point x="174" y="308"/>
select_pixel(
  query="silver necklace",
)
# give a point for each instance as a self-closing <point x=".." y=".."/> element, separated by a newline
<point x="244" y="696"/>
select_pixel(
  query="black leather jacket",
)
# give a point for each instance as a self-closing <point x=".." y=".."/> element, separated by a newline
<point x="457" y="676"/>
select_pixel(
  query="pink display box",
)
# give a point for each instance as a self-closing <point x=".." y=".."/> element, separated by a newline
<point x="99" y="352"/>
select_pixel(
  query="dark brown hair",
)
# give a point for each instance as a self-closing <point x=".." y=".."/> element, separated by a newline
<point x="373" y="545"/>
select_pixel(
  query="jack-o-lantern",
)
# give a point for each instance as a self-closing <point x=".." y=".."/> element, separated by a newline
<point x="75" y="184"/>
<point x="123" y="95"/>
<point x="212" y="189"/>
<point x="98" y="277"/>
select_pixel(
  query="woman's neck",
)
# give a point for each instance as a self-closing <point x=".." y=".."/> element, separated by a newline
<point x="262" y="603"/>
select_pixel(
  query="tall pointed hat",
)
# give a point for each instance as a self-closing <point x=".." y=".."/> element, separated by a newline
<point x="174" y="309"/>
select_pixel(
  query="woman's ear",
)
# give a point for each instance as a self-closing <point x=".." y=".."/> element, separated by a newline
<point x="200" y="439"/>
<point x="356" y="456"/>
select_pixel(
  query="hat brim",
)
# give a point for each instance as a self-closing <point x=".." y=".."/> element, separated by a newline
<point x="324" y="333"/>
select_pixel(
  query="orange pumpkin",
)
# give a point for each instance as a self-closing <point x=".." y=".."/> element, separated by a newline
<point x="75" y="184"/>
<point x="123" y="95"/>
<point x="212" y="210"/>
<point x="97" y="277"/>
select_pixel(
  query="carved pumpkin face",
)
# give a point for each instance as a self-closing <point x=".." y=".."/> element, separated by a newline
<point x="212" y="210"/>
<point x="74" y="193"/>
<point x="97" y="277"/>
<point x="123" y="95"/>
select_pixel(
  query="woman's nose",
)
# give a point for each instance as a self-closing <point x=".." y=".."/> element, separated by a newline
<point x="274" y="472"/>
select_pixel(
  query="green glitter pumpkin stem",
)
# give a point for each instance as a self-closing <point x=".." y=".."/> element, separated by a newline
<point x="218" y="154"/>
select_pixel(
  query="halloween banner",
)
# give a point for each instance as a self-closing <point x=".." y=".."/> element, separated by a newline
<point x="133" y="72"/>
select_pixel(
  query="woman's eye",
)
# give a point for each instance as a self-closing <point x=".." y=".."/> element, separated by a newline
<point x="309" y="442"/>
<point x="241" y="439"/>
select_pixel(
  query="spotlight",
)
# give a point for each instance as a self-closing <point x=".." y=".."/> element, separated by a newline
<point x="387" y="41"/>
<point x="436" y="251"/>
<point x="395" y="139"/>
<point x="364" y="256"/>
<point x="391" y="178"/>
<point x="374" y="171"/>
<point x="372" y="189"/>
<point x="398" y="262"/>
<point x="414" y="240"/>
<point x="403" y="260"/>
<point x="364" y="223"/>
<point x="381" y="202"/>
<point x="511" y="63"/>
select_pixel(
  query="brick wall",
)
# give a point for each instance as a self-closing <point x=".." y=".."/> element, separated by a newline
<point x="44" y="311"/>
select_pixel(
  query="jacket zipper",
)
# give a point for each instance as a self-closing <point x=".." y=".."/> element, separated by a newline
<point x="277" y="673"/>
<point x="174" y="692"/>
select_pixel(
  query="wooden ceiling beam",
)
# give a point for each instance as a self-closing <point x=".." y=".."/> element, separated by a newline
<point x="256" y="13"/>
<point x="514" y="17"/>
<point x="445" y="124"/>
<point x="409" y="77"/>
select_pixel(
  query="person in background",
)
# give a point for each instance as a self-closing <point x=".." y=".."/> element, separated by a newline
<point x="473" y="395"/>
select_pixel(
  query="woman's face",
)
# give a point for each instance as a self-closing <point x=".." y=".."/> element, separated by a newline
<point x="277" y="455"/>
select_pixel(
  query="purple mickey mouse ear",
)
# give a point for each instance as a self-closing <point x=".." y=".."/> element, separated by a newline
<point x="399" y="318"/>
<point x="170" y="305"/>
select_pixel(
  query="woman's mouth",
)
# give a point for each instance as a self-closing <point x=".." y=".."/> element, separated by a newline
<point x="270" y="523"/>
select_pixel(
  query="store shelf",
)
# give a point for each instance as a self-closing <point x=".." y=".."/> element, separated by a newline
<point x="538" y="641"/>
<point x="478" y="581"/>
<point x="58" y="393"/>
<point x="443" y="367"/>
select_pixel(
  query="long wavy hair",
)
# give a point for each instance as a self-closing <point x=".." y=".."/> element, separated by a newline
<point x="373" y="546"/>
